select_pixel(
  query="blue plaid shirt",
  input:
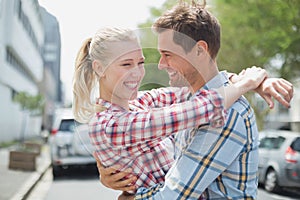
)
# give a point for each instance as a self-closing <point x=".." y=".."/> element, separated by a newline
<point x="217" y="163"/>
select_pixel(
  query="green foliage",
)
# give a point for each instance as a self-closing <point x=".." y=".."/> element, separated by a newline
<point x="256" y="32"/>
<point x="32" y="103"/>
<point x="154" y="77"/>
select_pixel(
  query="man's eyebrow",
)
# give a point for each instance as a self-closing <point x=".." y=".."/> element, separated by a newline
<point x="164" y="51"/>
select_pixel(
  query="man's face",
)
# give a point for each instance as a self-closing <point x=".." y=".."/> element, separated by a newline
<point x="177" y="63"/>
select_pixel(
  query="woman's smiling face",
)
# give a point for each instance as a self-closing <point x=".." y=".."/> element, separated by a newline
<point x="122" y="77"/>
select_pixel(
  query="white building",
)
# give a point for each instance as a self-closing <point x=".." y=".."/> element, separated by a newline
<point x="21" y="63"/>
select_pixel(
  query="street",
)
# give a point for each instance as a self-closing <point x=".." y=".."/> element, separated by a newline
<point x="84" y="184"/>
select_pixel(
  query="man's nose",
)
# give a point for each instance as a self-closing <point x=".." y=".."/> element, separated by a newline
<point x="162" y="63"/>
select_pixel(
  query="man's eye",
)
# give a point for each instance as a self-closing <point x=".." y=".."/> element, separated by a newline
<point x="141" y="63"/>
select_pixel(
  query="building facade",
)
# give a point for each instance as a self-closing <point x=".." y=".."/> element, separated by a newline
<point x="22" y="38"/>
<point x="51" y="53"/>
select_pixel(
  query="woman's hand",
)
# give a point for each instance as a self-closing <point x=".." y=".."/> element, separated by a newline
<point x="114" y="179"/>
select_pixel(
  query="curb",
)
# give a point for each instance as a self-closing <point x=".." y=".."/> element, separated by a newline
<point x="29" y="185"/>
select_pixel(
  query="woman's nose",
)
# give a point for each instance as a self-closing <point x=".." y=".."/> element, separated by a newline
<point x="138" y="70"/>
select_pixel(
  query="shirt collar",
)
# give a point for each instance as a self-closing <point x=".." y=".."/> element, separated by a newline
<point x="219" y="80"/>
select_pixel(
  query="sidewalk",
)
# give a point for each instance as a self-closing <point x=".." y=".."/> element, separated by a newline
<point x="16" y="184"/>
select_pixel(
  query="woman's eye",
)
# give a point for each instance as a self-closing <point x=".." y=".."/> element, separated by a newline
<point x="126" y="64"/>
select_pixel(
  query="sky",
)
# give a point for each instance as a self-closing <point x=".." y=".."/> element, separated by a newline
<point x="80" y="19"/>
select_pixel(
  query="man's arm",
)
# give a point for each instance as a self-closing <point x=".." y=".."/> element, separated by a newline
<point x="205" y="159"/>
<point x="113" y="179"/>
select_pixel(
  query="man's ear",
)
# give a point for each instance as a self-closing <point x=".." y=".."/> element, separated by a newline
<point x="98" y="68"/>
<point x="201" y="46"/>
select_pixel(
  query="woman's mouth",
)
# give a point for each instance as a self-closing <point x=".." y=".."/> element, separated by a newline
<point x="131" y="84"/>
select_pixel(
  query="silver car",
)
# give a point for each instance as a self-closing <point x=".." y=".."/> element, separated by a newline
<point x="279" y="160"/>
<point x="69" y="143"/>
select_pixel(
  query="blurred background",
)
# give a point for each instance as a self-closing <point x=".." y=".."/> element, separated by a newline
<point x="39" y="40"/>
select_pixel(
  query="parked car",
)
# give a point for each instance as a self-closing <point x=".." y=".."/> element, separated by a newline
<point x="69" y="143"/>
<point x="279" y="160"/>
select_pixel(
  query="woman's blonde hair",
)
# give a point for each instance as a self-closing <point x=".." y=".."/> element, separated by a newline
<point x="85" y="80"/>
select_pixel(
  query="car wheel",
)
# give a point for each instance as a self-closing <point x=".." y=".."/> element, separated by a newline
<point x="56" y="171"/>
<point x="271" y="181"/>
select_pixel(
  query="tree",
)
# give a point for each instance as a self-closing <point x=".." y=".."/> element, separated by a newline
<point x="154" y="77"/>
<point x="263" y="33"/>
<point x="32" y="104"/>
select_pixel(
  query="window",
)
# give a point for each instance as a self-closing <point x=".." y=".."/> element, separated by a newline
<point x="67" y="125"/>
<point x="296" y="144"/>
<point x="271" y="142"/>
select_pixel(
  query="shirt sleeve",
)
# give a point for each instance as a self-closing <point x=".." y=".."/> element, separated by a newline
<point x="197" y="168"/>
<point x="126" y="128"/>
<point x="163" y="96"/>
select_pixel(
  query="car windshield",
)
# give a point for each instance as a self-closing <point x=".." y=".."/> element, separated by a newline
<point x="296" y="144"/>
<point x="67" y="125"/>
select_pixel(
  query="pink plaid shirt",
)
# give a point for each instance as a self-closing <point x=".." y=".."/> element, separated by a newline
<point x="142" y="137"/>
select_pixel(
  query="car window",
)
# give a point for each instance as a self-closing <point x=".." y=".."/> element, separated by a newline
<point x="278" y="142"/>
<point x="271" y="142"/>
<point x="296" y="144"/>
<point x="67" y="125"/>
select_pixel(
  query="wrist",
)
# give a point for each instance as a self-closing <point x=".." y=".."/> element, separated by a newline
<point x="244" y="86"/>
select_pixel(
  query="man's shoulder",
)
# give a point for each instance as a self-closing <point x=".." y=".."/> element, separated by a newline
<point x="242" y="107"/>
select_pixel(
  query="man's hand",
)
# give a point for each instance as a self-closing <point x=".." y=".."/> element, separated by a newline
<point x="126" y="196"/>
<point x="277" y="88"/>
<point x="114" y="179"/>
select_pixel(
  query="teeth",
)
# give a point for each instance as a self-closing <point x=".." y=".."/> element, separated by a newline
<point x="131" y="85"/>
<point x="172" y="73"/>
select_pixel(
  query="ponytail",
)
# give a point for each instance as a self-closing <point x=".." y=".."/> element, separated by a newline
<point x="84" y="81"/>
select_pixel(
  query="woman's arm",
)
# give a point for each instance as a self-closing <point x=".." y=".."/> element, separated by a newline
<point x="250" y="79"/>
<point x="162" y="97"/>
<point x="122" y="128"/>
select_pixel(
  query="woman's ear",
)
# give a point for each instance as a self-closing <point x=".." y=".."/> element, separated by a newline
<point x="98" y="68"/>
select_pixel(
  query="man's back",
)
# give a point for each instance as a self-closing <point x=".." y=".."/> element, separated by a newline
<point x="223" y="162"/>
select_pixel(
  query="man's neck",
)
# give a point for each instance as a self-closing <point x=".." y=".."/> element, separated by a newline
<point x="202" y="81"/>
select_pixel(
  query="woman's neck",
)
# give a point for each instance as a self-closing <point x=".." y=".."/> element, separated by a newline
<point x="115" y="100"/>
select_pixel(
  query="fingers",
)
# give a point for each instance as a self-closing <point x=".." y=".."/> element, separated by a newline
<point x="126" y="184"/>
<point x="112" y="178"/>
<point x="282" y="91"/>
<point x="287" y="89"/>
<point x="269" y="100"/>
<point x="277" y="88"/>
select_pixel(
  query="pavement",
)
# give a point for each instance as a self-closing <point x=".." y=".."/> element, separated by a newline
<point x="17" y="184"/>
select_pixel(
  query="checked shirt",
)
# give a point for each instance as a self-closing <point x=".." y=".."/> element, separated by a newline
<point x="142" y="137"/>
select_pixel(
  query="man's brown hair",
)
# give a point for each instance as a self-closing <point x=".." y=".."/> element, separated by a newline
<point x="194" y="21"/>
